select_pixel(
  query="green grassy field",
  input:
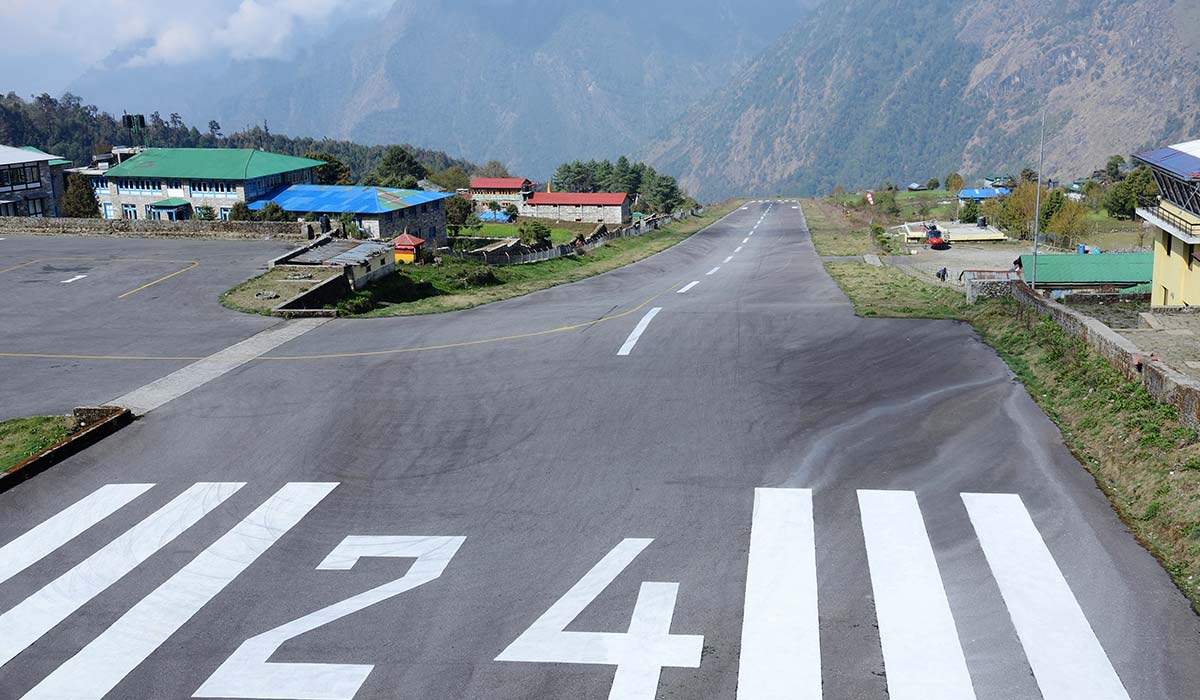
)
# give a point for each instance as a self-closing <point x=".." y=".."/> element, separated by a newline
<point x="21" y="438"/>
<point x="559" y="232"/>
<point x="460" y="284"/>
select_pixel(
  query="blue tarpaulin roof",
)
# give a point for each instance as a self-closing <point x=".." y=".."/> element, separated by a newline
<point x="1182" y="159"/>
<point x="341" y="199"/>
<point x="497" y="216"/>
<point x="985" y="193"/>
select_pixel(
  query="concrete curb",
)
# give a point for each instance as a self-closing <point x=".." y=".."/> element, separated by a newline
<point x="114" y="419"/>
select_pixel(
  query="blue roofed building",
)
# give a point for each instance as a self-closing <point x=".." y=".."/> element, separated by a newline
<point x="978" y="195"/>
<point x="379" y="212"/>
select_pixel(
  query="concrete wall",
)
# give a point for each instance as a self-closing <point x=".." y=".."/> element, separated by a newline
<point x="167" y="229"/>
<point x="592" y="214"/>
<point x="1162" y="383"/>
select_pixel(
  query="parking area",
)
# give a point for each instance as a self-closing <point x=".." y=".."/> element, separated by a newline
<point x="72" y="302"/>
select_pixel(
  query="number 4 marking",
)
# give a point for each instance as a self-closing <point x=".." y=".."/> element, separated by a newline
<point x="247" y="673"/>
<point x="639" y="654"/>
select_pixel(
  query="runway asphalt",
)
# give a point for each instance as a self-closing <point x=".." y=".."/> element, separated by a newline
<point x="758" y="495"/>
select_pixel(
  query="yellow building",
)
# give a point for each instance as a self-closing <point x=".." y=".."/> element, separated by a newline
<point x="1176" y="214"/>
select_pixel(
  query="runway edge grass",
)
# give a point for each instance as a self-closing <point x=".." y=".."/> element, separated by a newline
<point x="1142" y="457"/>
<point x="21" y="438"/>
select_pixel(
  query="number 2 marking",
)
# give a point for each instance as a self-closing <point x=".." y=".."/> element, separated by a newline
<point x="639" y="654"/>
<point x="248" y="673"/>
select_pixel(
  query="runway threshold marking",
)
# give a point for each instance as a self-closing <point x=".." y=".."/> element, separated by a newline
<point x="343" y="355"/>
<point x="640" y="328"/>
<point x="781" y="646"/>
<point x="102" y="664"/>
<point x="922" y="656"/>
<point x="688" y="286"/>
<point x="33" y="617"/>
<point x="65" y="526"/>
<point x="1063" y="651"/>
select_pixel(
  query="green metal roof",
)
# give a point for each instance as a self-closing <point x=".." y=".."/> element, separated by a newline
<point x="1106" y="268"/>
<point x="56" y="161"/>
<point x="171" y="202"/>
<point x="209" y="164"/>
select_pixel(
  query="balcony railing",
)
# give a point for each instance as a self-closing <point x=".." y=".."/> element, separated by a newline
<point x="1189" y="227"/>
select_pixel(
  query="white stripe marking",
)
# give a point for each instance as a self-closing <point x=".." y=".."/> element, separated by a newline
<point x="688" y="286"/>
<point x="25" y="623"/>
<point x="102" y="664"/>
<point x="727" y="259"/>
<point x="737" y="249"/>
<point x="1067" y="659"/>
<point x="713" y="271"/>
<point x="922" y="655"/>
<point x="59" y="529"/>
<point x="73" y="279"/>
<point x="638" y="330"/>
<point x="181" y="381"/>
<point x="781" y="644"/>
<point x="745" y="240"/>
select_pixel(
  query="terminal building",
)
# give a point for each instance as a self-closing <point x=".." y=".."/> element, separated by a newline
<point x="170" y="184"/>
<point x="1176" y="215"/>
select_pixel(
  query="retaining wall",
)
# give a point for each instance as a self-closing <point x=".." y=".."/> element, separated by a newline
<point x="1162" y="382"/>
<point x="191" y="228"/>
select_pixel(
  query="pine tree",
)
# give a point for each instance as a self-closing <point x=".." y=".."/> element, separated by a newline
<point x="79" y="201"/>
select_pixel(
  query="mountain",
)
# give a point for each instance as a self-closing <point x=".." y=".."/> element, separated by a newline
<point x="530" y="82"/>
<point x="863" y="91"/>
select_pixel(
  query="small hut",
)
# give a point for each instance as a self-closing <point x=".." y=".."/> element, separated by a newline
<point x="408" y="248"/>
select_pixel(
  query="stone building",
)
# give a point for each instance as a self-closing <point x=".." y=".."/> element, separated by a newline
<point x="592" y="207"/>
<point x="502" y="190"/>
<point x="379" y="212"/>
<point x="31" y="182"/>
<point x="171" y="183"/>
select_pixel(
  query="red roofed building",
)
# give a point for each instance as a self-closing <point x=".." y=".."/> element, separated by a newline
<point x="597" y="207"/>
<point x="502" y="190"/>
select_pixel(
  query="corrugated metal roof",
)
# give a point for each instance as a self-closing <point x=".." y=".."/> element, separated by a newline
<point x="984" y="193"/>
<point x="13" y="156"/>
<point x="341" y="199"/>
<point x="209" y="164"/>
<point x="341" y="252"/>
<point x="1114" y="268"/>
<point x="1182" y="159"/>
<point x="579" y="198"/>
<point x="58" y="160"/>
<point x="499" y="183"/>
<point x="171" y="202"/>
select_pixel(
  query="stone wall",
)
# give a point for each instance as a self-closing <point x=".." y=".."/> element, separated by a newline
<point x="164" y="229"/>
<point x="1162" y="382"/>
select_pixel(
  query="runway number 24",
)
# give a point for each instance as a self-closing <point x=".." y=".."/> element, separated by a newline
<point x="639" y="654"/>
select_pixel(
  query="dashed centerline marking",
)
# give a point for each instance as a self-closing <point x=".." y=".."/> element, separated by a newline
<point x="713" y="271"/>
<point x="737" y="249"/>
<point x="688" y="286"/>
<point x="637" y="331"/>
<point x="745" y="240"/>
<point x="727" y="259"/>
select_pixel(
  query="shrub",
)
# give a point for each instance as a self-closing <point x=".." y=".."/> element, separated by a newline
<point x="357" y="303"/>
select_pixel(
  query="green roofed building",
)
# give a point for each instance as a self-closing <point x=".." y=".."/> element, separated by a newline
<point x="1109" y="272"/>
<point x="171" y="183"/>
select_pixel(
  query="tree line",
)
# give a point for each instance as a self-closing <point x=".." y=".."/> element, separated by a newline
<point x="69" y="128"/>
<point x="654" y="191"/>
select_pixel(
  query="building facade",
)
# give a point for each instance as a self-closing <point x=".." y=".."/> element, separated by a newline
<point x="172" y="183"/>
<point x="1176" y="215"/>
<point x="592" y="207"/>
<point x="31" y="182"/>
<point x="501" y="190"/>
<point x="379" y="212"/>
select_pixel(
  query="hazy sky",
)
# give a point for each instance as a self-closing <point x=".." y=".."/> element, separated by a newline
<point x="52" y="42"/>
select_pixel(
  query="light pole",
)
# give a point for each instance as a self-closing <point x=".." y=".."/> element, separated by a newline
<point x="1037" y="214"/>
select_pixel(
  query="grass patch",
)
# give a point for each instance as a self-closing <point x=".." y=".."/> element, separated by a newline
<point x="244" y="296"/>
<point x="1142" y="457"/>
<point x="560" y="231"/>
<point x="21" y="438"/>
<point x="838" y="230"/>
<point x="460" y="284"/>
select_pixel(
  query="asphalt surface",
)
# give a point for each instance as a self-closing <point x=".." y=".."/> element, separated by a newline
<point x="84" y="295"/>
<point x="544" y="450"/>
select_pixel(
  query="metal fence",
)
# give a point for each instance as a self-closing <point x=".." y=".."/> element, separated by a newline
<point x="557" y="251"/>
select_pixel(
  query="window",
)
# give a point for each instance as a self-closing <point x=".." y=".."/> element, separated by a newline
<point x="214" y="188"/>
<point x="129" y="211"/>
<point x="20" y="177"/>
<point x="34" y="207"/>
<point x="225" y="213"/>
<point x="108" y="210"/>
<point x="8" y="209"/>
<point x="1169" y="238"/>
